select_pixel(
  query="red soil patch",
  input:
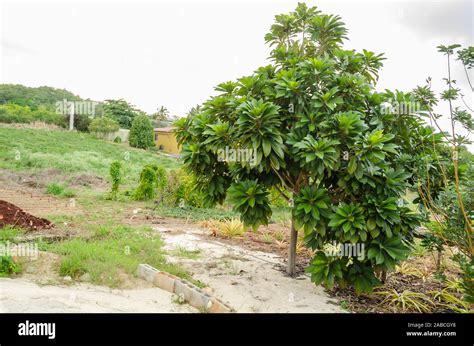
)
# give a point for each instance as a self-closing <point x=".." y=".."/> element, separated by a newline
<point x="12" y="215"/>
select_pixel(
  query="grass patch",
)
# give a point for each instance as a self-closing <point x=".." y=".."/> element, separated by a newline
<point x="199" y="283"/>
<point x="61" y="219"/>
<point x="280" y="215"/>
<point x="111" y="252"/>
<point x="72" y="152"/>
<point x="8" y="266"/>
<point x="9" y="233"/>
<point x="60" y="190"/>
<point x="185" y="253"/>
<point x="197" y="214"/>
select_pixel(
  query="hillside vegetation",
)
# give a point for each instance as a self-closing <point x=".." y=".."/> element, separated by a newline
<point x="34" y="97"/>
<point x="71" y="152"/>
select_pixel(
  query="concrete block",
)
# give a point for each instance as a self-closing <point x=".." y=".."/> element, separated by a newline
<point x="219" y="307"/>
<point x="164" y="281"/>
<point x="147" y="272"/>
<point x="199" y="300"/>
<point x="192" y="295"/>
<point x="181" y="288"/>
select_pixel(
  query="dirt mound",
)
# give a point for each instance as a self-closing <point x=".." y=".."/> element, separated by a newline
<point x="12" y="215"/>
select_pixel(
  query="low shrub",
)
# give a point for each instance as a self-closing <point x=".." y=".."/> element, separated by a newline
<point x="407" y="300"/>
<point x="12" y="113"/>
<point x="103" y="125"/>
<point x="182" y="189"/>
<point x="116" y="175"/>
<point x="141" y="133"/>
<point x="9" y="233"/>
<point x="146" y="189"/>
<point x="226" y="228"/>
<point x="8" y="266"/>
<point x="82" y="122"/>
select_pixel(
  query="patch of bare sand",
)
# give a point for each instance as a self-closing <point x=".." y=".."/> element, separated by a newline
<point x="23" y="296"/>
<point x="248" y="280"/>
<point x="41" y="269"/>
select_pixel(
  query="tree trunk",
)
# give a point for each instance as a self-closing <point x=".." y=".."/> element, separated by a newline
<point x="291" y="270"/>
<point x="438" y="261"/>
<point x="383" y="276"/>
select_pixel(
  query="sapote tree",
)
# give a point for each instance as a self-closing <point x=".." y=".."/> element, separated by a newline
<point x="323" y="138"/>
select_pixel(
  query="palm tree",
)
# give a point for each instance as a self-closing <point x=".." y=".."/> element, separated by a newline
<point x="161" y="114"/>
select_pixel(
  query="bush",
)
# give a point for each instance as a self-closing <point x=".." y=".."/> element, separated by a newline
<point x="467" y="276"/>
<point x="228" y="228"/>
<point x="161" y="178"/>
<point x="82" y="122"/>
<point x="103" y="125"/>
<point x="147" y="188"/>
<point x="8" y="266"/>
<point x="182" y="187"/>
<point x="12" y="113"/>
<point x="116" y="175"/>
<point x="9" y="233"/>
<point x="160" y="183"/>
<point x="117" y="140"/>
<point x="49" y="117"/>
<point x="141" y="133"/>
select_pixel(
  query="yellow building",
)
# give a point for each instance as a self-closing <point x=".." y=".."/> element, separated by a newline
<point x="165" y="140"/>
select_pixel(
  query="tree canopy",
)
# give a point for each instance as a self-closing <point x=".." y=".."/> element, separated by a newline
<point x="324" y="137"/>
<point x="121" y="111"/>
<point x="34" y="97"/>
<point x="141" y="133"/>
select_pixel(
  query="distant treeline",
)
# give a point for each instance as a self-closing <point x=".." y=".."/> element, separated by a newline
<point x="35" y="98"/>
<point x="22" y="104"/>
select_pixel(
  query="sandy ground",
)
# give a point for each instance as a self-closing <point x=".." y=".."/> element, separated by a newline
<point x="249" y="281"/>
<point x="21" y="295"/>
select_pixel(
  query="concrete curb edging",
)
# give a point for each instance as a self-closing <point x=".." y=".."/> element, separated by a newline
<point x="192" y="294"/>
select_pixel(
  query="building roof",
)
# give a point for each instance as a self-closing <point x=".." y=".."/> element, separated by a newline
<point x="164" y="129"/>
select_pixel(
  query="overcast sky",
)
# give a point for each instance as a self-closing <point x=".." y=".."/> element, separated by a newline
<point x="173" y="53"/>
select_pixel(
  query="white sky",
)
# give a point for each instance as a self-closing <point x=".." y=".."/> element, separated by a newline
<point x="173" y="53"/>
